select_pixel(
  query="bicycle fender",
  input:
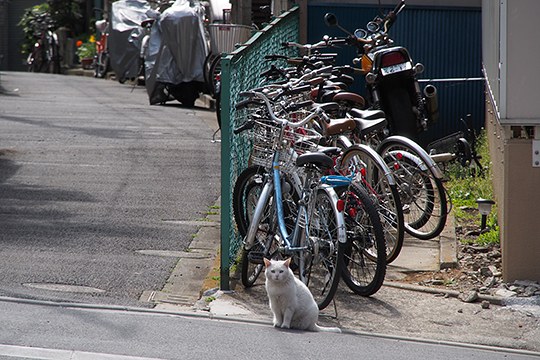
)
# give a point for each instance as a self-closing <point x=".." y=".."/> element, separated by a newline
<point x="415" y="159"/>
<point x="424" y="156"/>
<point x="341" y="230"/>
<point x="252" y="230"/>
<point x="377" y="157"/>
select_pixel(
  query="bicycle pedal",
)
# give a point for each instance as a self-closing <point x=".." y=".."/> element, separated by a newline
<point x="256" y="257"/>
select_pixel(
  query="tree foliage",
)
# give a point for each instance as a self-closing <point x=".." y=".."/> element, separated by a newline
<point x="51" y="14"/>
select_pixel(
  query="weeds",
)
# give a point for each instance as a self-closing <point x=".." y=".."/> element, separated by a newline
<point x="466" y="185"/>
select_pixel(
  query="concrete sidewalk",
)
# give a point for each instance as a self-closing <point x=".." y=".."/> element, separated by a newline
<point x="197" y="270"/>
<point x="397" y="310"/>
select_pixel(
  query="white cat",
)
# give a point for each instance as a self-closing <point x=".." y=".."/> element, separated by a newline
<point x="291" y="301"/>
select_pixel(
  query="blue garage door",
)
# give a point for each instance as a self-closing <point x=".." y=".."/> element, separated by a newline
<point x="446" y="40"/>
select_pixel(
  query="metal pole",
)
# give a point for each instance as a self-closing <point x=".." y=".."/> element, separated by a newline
<point x="225" y="173"/>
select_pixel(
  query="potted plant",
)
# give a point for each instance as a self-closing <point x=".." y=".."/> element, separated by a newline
<point x="86" y="50"/>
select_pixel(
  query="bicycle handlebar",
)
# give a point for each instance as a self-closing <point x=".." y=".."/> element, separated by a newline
<point x="283" y="122"/>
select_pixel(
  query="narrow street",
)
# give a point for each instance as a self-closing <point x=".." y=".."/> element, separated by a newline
<point x="94" y="182"/>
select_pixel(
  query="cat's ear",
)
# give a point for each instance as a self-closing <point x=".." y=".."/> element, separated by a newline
<point x="266" y="262"/>
<point x="288" y="262"/>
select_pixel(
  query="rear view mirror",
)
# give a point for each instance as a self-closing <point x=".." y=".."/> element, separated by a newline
<point x="330" y="19"/>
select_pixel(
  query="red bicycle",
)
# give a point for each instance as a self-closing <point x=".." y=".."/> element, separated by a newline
<point x="101" y="59"/>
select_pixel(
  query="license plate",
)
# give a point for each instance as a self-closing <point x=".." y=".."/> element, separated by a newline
<point x="392" y="69"/>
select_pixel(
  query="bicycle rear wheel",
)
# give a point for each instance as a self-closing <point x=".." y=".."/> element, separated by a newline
<point x="101" y="65"/>
<point x="421" y="192"/>
<point x="364" y="257"/>
<point x="372" y="176"/>
<point x="322" y="260"/>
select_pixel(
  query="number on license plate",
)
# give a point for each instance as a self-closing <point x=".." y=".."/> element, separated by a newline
<point x="392" y="69"/>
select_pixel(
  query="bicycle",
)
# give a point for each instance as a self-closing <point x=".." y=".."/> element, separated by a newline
<point x="44" y="57"/>
<point x="311" y="229"/>
<point x="102" y="59"/>
<point x="417" y="178"/>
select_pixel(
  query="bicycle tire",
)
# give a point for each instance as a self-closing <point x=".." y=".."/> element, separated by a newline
<point x="218" y="108"/>
<point x="364" y="254"/>
<point x="382" y="192"/>
<point x="101" y="65"/>
<point x="215" y="69"/>
<point x="206" y="71"/>
<point x="323" y="258"/>
<point x="55" y="65"/>
<point x="421" y="192"/>
<point x="261" y="245"/>
<point x="35" y="62"/>
<point x="244" y="199"/>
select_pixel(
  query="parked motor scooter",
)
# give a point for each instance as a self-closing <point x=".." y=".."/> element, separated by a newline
<point x="176" y="52"/>
<point x="125" y="37"/>
<point x="391" y="77"/>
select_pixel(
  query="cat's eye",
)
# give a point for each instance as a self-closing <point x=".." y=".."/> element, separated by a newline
<point x="280" y="271"/>
<point x="272" y="271"/>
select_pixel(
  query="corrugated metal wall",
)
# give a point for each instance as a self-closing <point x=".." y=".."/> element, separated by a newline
<point x="446" y="40"/>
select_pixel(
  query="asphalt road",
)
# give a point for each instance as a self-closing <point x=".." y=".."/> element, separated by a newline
<point x="90" y="176"/>
<point x="34" y="331"/>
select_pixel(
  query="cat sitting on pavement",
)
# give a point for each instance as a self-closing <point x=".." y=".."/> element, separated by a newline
<point x="291" y="301"/>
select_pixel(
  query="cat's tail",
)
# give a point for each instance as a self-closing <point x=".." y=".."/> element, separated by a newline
<point x="327" y="329"/>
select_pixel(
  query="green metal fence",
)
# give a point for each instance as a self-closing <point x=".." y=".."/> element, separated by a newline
<point x="239" y="72"/>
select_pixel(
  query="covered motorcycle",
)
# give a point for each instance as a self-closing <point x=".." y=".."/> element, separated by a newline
<point x="125" y="37"/>
<point x="174" y="62"/>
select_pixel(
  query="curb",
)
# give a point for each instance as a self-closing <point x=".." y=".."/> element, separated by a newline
<point x="186" y="282"/>
<point x="495" y="300"/>
<point x="208" y="316"/>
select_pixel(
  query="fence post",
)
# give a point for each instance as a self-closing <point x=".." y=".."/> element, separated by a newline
<point x="246" y="63"/>
<point x="225" y="172"/>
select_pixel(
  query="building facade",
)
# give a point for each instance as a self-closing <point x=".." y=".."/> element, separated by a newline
<point x="513" y="123"/>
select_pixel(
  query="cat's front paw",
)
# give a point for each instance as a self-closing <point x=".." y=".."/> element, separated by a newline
<point x="277" y="323"/>
<point x="285" y="326"/>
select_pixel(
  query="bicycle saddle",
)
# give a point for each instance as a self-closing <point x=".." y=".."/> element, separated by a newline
<point x="367" y="114"/>
<point x="319" y="159"/>
<point x="364" y="127"/>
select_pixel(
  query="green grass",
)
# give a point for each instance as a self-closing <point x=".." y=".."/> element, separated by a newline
<point x="466" y="185"/>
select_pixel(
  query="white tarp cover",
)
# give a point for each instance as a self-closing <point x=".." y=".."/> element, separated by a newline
<point x="177" y="49"/>
<point x="125" y="37"/>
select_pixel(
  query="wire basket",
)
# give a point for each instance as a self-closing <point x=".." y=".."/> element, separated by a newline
<point x="224" y="37"/>
<point x="295" y="141"/>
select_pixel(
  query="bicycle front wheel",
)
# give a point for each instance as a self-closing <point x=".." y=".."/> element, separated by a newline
<point x="364" y="257"/>
<point x="246" y="194"/>
<point x="321" y="266"/>
<point x="261" y="240"/>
